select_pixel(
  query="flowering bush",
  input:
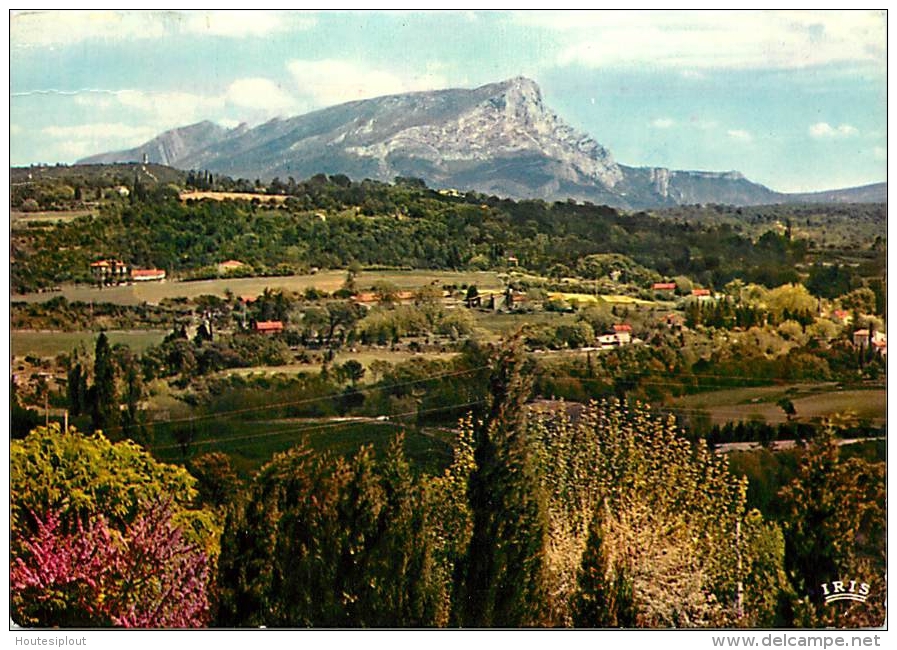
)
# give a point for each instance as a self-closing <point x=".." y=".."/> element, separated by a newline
<point x="146" y="576"/>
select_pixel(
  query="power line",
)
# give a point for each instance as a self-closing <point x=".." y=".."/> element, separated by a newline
<point x="310" y="400"/>
<point x="324" y="425"/>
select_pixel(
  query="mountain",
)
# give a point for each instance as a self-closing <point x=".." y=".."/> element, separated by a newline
<point x="170" y="147"/>
<point x="874" y="193"/>
<point x="497" y="139"/>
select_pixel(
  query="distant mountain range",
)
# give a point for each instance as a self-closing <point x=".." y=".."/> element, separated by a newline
<point x="497" y="139"/>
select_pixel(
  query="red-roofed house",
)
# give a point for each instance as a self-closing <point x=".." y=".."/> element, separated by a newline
<point x="664" y="286"/>
<point x="700" y="293"/>
<point x="109" y="270"/>
<point x="230" y="265"/>
<point x="842" y="316"/>
<point x="267" y="326"/>
<point x="623" y="332"/>
<point x="147" y="275"/>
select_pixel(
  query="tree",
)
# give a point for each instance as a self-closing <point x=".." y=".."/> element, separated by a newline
<point x="788" y="407"/>
<point x="78" y="476"/>
<point x="352" y="370"/>
<point x="859" y="300"/>
<point x="72" y="494"/>
<point x="604" y="596"/>
<point x="504" y="573"/>
<point x="132" y="425"/>
<point x="833" y="520"/>
<point x="217" y="483"/>
<point x="385" y="291"/>
<point x="320" y="541"/>
<point x="104" y="400"/>
<point x="632" y="501"/>
<point x="76" y="388"/>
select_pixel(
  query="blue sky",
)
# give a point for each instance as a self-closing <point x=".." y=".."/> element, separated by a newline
<point x="794" y="100"/>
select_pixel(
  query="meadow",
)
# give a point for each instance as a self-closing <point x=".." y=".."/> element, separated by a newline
<point x="155" y="292"/>
<point x="51" y="344"/>
<point x="811" y="402"/>
<point x="251" y="443"/>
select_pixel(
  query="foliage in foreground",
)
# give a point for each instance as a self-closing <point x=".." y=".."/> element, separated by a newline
<point x="614" y="520"/>
<point x="101" y="534"/>
<point x="146" y="576"/>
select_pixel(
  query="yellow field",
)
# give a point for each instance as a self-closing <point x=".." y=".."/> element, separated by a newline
<point x="236" y="196"/>
<point x="587" y="297"/>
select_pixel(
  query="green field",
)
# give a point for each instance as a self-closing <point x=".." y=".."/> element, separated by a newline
<point x="500" y="324"/>
<point x="811" y="401"/>
<point x="51" y="344"/>
<point x="22" y="219"/>
<point x="155" y="292"/>
<point x="365" y="358"/>
<point x="252" y="443"/>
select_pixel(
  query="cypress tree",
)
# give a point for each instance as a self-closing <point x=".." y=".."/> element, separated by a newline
<point x="503" y="583"/>
<point x="104" y="401"/>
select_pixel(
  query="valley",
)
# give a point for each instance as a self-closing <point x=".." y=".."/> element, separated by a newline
<point x="369" y="283"/>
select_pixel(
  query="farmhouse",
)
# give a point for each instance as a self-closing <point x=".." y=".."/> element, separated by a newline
<point x="147" y="275"/>
<point x="664" y="286"/>
<point x="267" y="326"/>
<point x="619" y="335"/>
<point x="879" y="340"/>
<point x="230" y="265"/>
<point x="623" y="332"/>
<point x="109" y="270"/>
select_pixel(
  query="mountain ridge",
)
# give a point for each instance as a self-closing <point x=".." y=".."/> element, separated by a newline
<point x="499" y="138"/>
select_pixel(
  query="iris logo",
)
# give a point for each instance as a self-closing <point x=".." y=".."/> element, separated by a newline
<point x="837" y="590"/>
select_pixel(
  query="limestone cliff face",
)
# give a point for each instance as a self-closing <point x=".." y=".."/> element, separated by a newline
<point x="499" y="139"/>
<point x="510" y="121"/>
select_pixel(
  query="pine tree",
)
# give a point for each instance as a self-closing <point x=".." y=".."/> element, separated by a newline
<point x="504" y="582"/>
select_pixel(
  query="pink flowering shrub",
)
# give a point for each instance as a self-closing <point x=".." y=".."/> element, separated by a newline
<point x="146" y="576"/>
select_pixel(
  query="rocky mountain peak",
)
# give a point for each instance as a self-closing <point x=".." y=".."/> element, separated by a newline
<point x="500" y="138"/>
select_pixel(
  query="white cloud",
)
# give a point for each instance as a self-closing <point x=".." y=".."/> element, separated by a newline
<point x="249" y="99"/>
<point x="332" y="81"/>
<point x="260" y="94"/>
<point x="56" y="28"/>
<point x="241" y="24"/>
<point x="739" y="134"/>
<point x="86" y="139"/>
<point x="49" y="28"/>
<point x="170" y="107"/>
<point x="700" y="40"/>
<point x="880" y="153"/>
<point x="662" y="123"/>
<point x="826" y="130"/>
<point x="115" y="130"/>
